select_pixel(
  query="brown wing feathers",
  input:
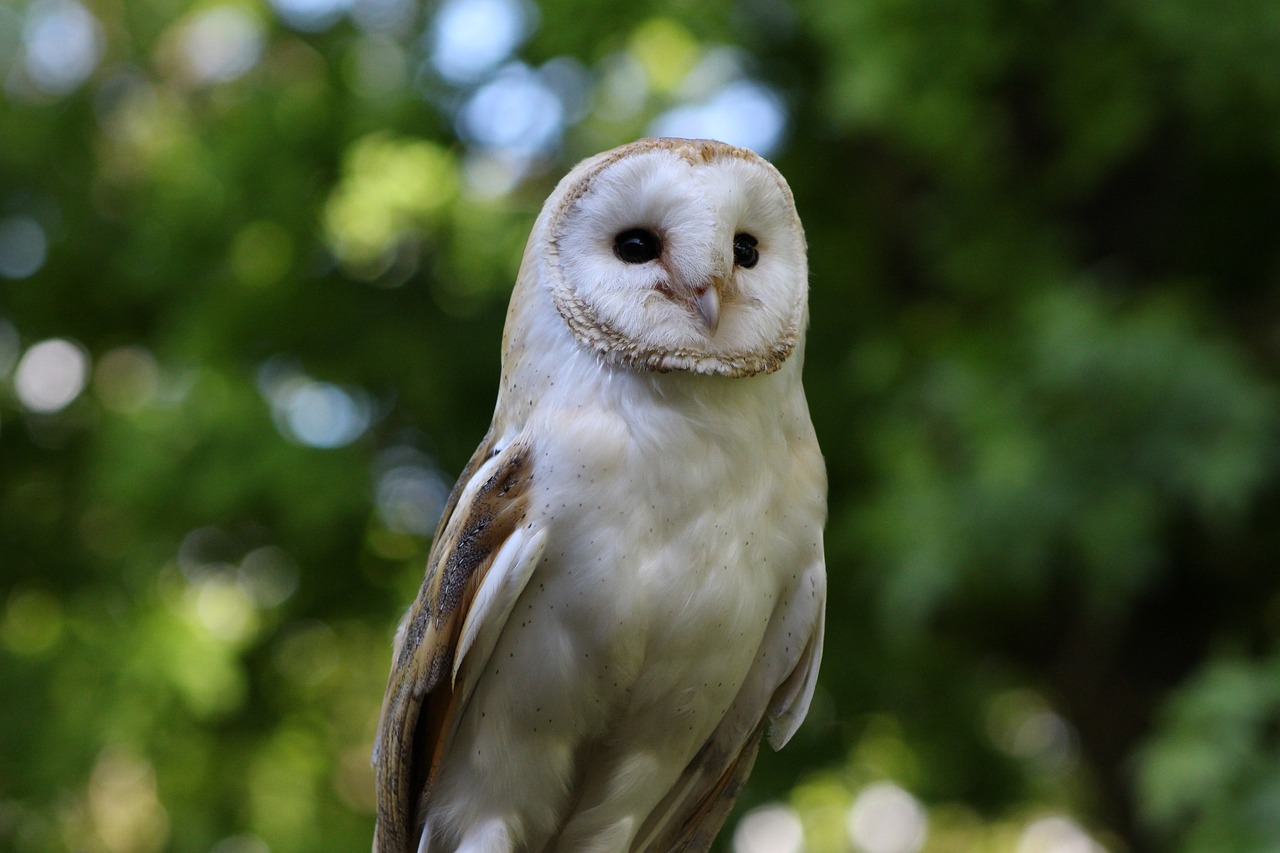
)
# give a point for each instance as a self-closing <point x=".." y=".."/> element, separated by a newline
<point x="690" y="823"/>
<point x="421" y="706"/>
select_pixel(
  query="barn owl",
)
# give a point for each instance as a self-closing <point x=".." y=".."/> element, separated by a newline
<point x="627" y="586"/>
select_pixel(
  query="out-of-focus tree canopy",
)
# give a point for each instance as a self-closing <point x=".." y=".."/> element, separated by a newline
<point x="254" y="261"/>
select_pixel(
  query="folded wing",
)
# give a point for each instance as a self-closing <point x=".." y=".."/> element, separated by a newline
<point x="484" y="552"/>
<point x="777" y="692"/>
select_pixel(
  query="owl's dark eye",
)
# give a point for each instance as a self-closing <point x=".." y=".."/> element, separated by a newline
<point x="745" y="253"/>
<point x="637" y="246"/>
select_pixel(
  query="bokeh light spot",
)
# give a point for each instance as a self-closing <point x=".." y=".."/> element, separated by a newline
<point x="268" y="575"/>
<point x="410" y="492"/>
<point x="124" y="806"/>
<point x="773" y="828"/>
<point x="390" y="189"/>
<point x="222" y="43"/>
<point x="666" y="50"/>
<point x="23" y="247"/>
<point x="572" y="84"/>
<point x="1056" y="834"/>
<point x="470" y="37"/>
<point x="743" y="113"/>
<point x="310" y="412"/>
<point x="1046" y="737"/>
<point x="50" y="375"/>
<point x="63" y="45"/>
<point x="225" y="609"/>
<point x="516" y="112"/>
<point x="1022" y="724"/>
<point x="886" y="819"/>
<point x="320" y="414"/>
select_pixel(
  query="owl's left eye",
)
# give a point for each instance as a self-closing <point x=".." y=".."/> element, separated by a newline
<point x="637" y="246"/>
<point x="745" y="253"/>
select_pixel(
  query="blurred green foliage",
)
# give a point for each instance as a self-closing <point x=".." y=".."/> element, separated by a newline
<point x="254" y="260"/>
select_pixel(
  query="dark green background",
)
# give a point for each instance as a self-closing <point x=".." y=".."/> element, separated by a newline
<point x="1045" y="252"/>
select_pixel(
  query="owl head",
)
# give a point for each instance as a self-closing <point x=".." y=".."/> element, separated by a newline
<point x="677" y="255"/>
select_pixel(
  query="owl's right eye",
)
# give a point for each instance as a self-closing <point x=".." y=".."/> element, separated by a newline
<point x="637" y="246"/>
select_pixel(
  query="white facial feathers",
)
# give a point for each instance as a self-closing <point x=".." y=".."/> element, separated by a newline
<point x="678" y="298"/>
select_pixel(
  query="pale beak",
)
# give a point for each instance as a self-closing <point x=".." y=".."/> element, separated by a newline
<point x="707" y="304"/>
